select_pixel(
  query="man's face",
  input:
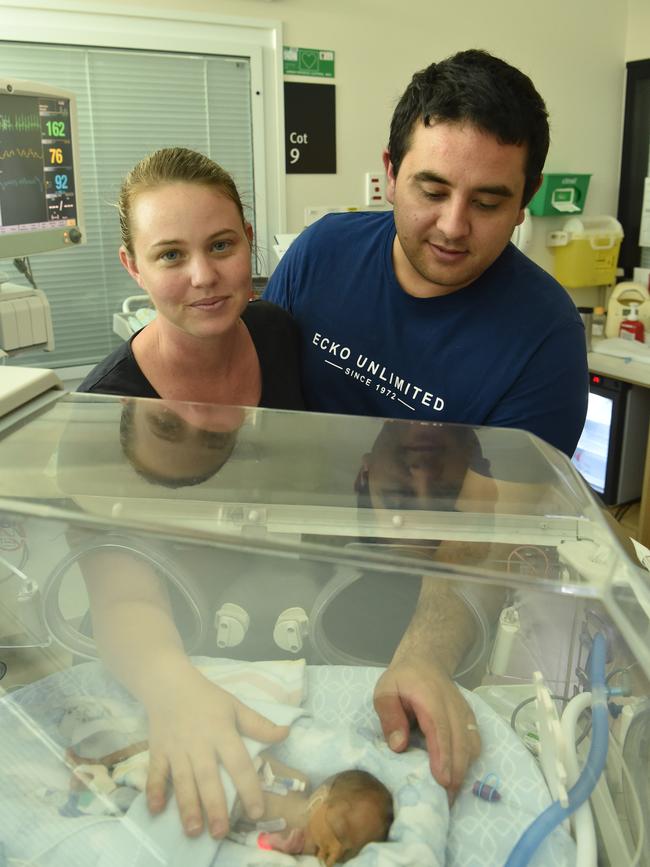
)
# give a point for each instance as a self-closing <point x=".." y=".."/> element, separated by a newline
<point x="417" y="466"/>
<point x="457" y="199"/>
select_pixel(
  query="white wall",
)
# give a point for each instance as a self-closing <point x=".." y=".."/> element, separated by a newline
<point x="638" y="30"/>
<point x="574" y="52"/>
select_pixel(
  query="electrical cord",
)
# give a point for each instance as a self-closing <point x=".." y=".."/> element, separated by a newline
<point x="621" y="511"/>
<point x="526" y="701"/>
<point x="17" y="571"/>
<point x="587" y="728"/>
<point x="616" y="671"/>
<point x="12" y="538"/>
<point x="25" y="269"/>
<point x="10" y="573"/>
<point x="529" y="700"/>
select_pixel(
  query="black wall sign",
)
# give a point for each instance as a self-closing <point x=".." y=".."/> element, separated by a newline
<point x="310" y="128"/>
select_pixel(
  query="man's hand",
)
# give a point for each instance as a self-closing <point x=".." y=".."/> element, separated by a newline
<point x="191" y="733"/>
<point x="420" y="691"/>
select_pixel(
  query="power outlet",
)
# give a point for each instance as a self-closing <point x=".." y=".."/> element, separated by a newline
<point x="375" y="192"/>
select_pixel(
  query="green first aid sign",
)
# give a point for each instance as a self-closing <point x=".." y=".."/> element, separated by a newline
<point x="308" y="61"/>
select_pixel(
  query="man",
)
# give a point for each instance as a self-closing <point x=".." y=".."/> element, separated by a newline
<point x="427" y="311"/>
<point x="430" y="313"/>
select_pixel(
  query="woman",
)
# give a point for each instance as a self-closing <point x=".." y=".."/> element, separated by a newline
<point x="186" y="243"/>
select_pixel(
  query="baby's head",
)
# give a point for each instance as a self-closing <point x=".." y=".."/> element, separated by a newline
<point x="347" y="811"/>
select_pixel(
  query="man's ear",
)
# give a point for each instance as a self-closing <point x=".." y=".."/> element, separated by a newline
<point x="525" y="205"/>
<point x="128" y="261"/>
<point x="390" y="177"/>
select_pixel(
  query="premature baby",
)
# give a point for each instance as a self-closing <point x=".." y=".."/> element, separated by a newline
<point x="334" y="823"/>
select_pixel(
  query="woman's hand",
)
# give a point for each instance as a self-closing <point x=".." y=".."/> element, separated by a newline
<point x="193" y="729"/>
<point x="194" y="726"/>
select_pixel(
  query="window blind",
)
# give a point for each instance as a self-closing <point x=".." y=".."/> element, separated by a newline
<point x="129" y="103"/>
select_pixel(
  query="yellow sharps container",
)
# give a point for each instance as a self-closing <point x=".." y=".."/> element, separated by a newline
<point x="586" y="251"/>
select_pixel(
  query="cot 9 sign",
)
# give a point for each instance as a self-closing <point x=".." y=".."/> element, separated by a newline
<point x="309" y="128"/>
<point x="295" y="139"/>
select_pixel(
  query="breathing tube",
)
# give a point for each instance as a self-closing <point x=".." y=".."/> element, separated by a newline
<point x="555" y="814"/>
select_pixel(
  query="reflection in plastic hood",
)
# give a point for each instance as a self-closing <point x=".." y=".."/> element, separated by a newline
<point x="173" y="576"/>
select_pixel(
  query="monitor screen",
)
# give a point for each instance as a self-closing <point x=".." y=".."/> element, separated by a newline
<point x="39" y="196"/>
<point x="592" y="451"/>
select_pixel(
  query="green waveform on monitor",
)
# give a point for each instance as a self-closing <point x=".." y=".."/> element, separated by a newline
<point x="19" y="122"/>
<point x="21" y="182"/>
<point x="23" y="153"/>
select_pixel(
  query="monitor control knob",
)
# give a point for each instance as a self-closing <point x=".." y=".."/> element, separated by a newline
<point x="74" y="235"/>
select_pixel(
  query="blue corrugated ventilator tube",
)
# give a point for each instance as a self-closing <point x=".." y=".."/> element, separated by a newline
<point x="530" y="840"/>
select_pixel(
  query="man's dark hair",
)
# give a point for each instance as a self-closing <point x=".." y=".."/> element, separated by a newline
<point x="483" y="90"/>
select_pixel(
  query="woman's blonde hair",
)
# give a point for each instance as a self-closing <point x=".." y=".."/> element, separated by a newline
<point x="170" y="165"/>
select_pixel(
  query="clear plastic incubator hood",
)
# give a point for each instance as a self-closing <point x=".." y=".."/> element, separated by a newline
<point x="174" y="576"/>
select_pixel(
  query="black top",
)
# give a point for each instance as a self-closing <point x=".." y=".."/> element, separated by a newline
<point x="277" y="343"/>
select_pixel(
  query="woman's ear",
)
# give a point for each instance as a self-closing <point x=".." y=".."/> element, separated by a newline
<point x="128" y="261"/>
<point x="249" y="232"/>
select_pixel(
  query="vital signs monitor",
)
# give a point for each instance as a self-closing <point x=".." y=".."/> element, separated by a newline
<point x="40" y="204"/>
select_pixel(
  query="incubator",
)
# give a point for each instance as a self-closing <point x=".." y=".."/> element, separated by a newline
<point x="291" y="553"/>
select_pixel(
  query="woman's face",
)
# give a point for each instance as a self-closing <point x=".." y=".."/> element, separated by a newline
<point x="192" y="256"/>
<point x="174" y="440"/>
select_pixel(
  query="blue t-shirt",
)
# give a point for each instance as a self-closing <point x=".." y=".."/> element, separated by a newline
<point x="507" y="350"/>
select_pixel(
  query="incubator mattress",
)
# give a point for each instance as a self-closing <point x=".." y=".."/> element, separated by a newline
<point x="335" y="728"/>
